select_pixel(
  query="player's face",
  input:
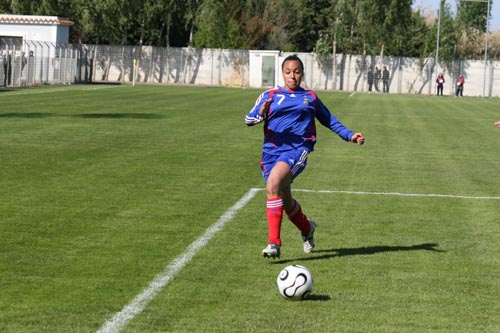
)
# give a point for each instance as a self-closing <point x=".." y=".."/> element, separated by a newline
<point x="292" y="74"/>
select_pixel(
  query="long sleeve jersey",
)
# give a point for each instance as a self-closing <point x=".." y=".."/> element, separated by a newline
<point x="290" y="122"/>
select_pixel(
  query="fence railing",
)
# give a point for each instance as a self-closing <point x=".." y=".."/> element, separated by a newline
<point x="26" y="63"/>
<point x="35" y="63"/>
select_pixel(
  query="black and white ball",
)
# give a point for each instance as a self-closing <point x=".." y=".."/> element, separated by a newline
<point x="295" y="282"/>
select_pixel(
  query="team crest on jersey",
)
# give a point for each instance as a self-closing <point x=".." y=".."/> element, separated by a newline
<point x="306" y="100"/>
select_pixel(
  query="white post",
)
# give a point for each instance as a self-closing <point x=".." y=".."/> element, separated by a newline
<point x="134" y="72"/>
<point x="486" y="48"/>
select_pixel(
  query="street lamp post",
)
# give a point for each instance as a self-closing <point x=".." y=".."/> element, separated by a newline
<point x="486" y="41"/>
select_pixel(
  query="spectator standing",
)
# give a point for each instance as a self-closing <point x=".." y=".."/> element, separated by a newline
<point x="369" y="77"/>
<point x="377" y="76"/>
<point x="460" y="86"/>
<point x="440" y="84"/>
<point x="7" y="66"/>
<point x="385" y="80"/>
<point x="3" y="61"/>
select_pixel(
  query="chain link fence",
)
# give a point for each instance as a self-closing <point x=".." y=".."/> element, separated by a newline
<point x="28" y="63"/>
<point x="31" y="63"/>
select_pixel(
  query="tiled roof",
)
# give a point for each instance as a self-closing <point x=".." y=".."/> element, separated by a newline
<point x="29" y="19"/>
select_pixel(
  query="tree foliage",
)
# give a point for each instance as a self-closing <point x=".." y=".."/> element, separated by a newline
<point x="348" y="26"/>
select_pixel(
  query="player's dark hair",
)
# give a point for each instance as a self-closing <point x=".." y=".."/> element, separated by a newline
<point x="290" y="58"/>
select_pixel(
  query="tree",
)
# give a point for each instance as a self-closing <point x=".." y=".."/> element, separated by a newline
<point x="343" y="23"/>
<point x="308" y="20"/>
<point x="448" y="35"/>
<point x="471" y="22"/>
<point x="386" y="27"/>
<point x="420" y="45"/>
<point x="254" y="23"/>
<point x="396" y="27"/>
<point x="472" y="15"/>
<point x="191" y="10"/>
<point x="282" y="23"/>
<point x="215" y="28"/>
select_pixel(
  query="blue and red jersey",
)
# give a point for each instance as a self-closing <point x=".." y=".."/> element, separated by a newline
<point x="290" y="122"/>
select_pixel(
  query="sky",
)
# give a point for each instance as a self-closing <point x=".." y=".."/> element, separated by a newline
<point x="433" y="5"/>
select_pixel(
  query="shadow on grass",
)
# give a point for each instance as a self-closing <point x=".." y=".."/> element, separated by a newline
<point x="83" y="115"/>
<point x="360" y="251"/>
<point x="119" y="115"/>
<point x="314" y="297"/>
<point x="26" y="115"/>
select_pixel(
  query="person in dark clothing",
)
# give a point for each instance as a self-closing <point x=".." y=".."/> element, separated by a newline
<point x="385" y="80"/>
<point x="377" y="75"/>
<point x="440" y="84"/>
<point x="460" y="86"/>
<point x="3" y="60"/>
<point x="369" y="76"/>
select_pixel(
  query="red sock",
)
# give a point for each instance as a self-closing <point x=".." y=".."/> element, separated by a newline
<point x="274" y="212"/>
<point x="299" y="219"/>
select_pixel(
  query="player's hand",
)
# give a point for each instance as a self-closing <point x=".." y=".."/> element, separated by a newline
<point x="265" y="107"/>
<point x="358" y="138"/>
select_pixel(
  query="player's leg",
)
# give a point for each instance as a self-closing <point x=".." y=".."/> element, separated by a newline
<point x="276" y="172"/>
<point x="294" y="213"/>
<point x="293" y="209"/>
<point x="280" y="176"/>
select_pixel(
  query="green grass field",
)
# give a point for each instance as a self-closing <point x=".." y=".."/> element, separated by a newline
<point x="106" y="190"/>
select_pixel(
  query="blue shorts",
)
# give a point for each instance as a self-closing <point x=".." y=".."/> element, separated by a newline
<point x="296" y="159"/>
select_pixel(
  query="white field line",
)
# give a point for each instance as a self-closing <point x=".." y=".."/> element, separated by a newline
<point x="139" y="303"/>
<point x="54" y="90"/>
<point x="398" y="194"/>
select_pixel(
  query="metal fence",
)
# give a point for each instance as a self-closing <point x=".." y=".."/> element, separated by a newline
<point x="35" y="63"/>
<point x="149" y="64"/>
<point x="26" y="63"/>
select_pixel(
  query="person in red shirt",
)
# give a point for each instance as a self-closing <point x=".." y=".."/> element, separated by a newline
<point x="440" y="84"/>
<point x="460" y="86"/>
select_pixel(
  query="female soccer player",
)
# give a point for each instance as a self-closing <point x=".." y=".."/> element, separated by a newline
<point x="289" y="114"/>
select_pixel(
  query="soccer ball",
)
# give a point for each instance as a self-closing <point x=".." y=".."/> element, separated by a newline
<point x="295" y="282"/>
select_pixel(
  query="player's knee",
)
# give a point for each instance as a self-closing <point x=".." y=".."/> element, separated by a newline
<point x="272" y="190"/>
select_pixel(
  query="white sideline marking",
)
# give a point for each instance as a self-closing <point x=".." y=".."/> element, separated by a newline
<point x="139" y="303"/>
<point x="429" y="195"/>
<point x="352" y="94"/>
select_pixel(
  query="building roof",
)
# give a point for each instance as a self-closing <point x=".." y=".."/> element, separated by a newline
<point x="33" y="19"/>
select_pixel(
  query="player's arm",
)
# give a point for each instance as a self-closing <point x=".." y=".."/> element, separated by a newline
<point x="330" y="121"/>
<point x="259" y="111"/>
<point x="358" y="138"/>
